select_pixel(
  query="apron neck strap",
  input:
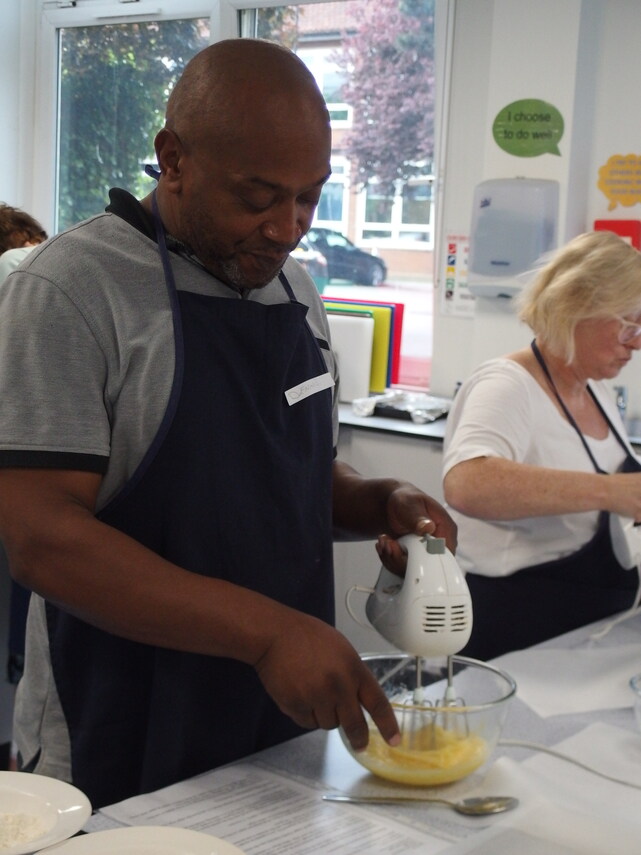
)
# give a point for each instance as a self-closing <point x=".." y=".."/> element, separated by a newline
<point x="162" y="245"/>
<point x="539" y="358"/>
<point x="287" y="287"/>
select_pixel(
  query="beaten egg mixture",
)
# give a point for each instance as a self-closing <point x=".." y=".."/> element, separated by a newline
<point x="431" y="755"/>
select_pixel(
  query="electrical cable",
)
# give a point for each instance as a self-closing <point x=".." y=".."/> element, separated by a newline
<point x="518" y="743"/>
<point x="629" y="613"/>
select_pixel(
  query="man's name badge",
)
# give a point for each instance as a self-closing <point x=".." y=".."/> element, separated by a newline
<point x="309" y="387"/>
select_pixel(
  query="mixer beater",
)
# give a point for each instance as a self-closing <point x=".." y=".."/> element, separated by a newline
<point x="427" y="613"/>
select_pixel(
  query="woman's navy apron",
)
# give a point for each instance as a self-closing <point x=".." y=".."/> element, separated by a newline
<point x="549" y="599"/>
<point x="237" y="486"/>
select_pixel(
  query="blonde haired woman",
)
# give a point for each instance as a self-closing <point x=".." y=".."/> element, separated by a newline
<point x="536" y="458"/>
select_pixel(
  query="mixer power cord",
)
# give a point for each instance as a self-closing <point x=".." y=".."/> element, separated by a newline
<point x="519" y="743"/>
<point x="633" y="611"/>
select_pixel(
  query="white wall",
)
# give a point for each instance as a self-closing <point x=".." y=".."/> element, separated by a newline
<point x="9" y="99"/>
<point x="617" y="130"/>
<point x="579" y="55"/>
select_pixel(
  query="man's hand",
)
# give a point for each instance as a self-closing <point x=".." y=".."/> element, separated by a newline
<point x="409" y="510"/>
<point x="318" y="680"/>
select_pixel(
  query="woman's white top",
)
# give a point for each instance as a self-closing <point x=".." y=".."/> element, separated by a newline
<point x="501" y="411"/>
<point x="11" y="258"/>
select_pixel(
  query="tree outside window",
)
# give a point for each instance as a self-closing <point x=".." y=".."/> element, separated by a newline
<point x="114" y="82"/>
<point x="390" y="86"/>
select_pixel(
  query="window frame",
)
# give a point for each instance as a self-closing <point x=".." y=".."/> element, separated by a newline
<point x="395" y="225"/>
<point x="340" y="176"/>
<point x="332" y="106"/>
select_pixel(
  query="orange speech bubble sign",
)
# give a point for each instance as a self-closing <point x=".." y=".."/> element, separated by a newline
<point x="620" y="180"/>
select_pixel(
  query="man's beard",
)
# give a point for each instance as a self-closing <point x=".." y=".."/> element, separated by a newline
<point x="231" y="273"/>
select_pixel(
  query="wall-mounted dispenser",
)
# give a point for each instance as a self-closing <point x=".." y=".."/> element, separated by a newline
<point x="514" y="221"/>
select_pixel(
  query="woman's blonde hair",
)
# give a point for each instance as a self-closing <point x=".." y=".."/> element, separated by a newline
<point x="595" y="275"/>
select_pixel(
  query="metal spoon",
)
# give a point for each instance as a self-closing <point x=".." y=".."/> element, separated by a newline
<point x="471" y="807"/>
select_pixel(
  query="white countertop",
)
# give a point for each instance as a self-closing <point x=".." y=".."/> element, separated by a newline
<point x="277" y="806"/>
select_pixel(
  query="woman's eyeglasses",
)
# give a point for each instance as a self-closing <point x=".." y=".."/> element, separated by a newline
<point x="629" y="330"/>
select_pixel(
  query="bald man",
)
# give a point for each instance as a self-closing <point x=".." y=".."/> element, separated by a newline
<point x="168" y="482"/>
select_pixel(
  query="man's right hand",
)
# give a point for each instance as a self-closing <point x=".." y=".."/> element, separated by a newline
<point x="317" y="678"/>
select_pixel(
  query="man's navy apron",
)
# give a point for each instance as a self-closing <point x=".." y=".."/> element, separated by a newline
<point x="237" y="486"/>
<point x="549" y="599"/>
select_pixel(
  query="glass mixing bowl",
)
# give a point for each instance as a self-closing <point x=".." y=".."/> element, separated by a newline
<point x="635" y="685"/>
<point x="445" y="735"/>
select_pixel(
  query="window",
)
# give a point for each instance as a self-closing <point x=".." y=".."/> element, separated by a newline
<point x="104" y="71"/>
<point x="392" y="219"/>
<point x="404" y="218"/>
<point x="106" y="67"/>
<point x="333" y="207"/>
<point x="114" y="77"/>
<point x="331" y="80"/>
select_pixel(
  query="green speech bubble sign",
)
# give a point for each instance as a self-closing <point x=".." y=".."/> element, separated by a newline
<point x="528" y="128"/>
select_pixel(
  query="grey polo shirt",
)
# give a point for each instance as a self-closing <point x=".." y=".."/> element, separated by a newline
<point x="86" y="368"/>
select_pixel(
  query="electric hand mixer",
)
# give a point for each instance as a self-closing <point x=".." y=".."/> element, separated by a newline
<point x="428" y="613"/>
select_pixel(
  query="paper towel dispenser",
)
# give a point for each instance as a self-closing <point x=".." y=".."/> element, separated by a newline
<point x="514" y="221"/>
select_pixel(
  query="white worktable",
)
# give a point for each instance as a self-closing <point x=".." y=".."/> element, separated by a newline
<point x="277" y="806"/>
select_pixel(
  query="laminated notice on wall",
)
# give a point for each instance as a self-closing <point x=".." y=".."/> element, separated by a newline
<point x="456" y="297"/>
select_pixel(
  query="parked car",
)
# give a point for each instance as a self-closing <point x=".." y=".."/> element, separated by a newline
<point x="346" y="261"/>
<point x="313" y="261"/>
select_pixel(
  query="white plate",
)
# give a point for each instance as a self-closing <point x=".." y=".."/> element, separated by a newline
<point x="61" y="808"/>
<point x="146" y="840"/>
